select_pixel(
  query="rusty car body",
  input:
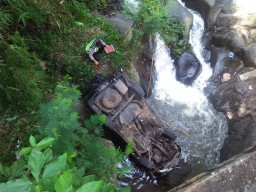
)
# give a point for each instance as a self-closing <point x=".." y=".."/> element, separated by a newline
<point x="132" y="119"/>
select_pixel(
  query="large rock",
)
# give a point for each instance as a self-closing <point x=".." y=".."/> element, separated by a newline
<point x="122" y="23"/>
<point x="229" y="39"/>
<point x="202" y="6"/>
<point x="188" y="68"/>
<point x="232" y="24"/>
<point x="222" y="63"/>
<point x="179" y="13"/>
<point x="236" y="98"/>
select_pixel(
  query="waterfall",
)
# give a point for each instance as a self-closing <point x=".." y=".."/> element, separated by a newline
<point x="195" y="36"/>
<point x="186" y="107"/>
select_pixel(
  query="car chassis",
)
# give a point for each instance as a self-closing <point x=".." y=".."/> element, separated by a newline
<point x="133" y="120"/>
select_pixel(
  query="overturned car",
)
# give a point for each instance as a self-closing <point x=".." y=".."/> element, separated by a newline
<point x="132" y="119"/>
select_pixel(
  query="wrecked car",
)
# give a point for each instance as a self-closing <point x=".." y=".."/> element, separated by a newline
<point x="133" y="120"/>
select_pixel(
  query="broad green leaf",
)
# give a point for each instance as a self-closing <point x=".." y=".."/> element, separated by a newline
<point x="37" y="188"/>
<point x="53" y="169"/>
<point x="45" y="143"/>
<point x="32" y="141"/>
<point x="95" y="186"/>
<point x="18" y="185"/>
<point x="47" y="184"/>
<point x="17" y="169"/>
<point x="5" y="170"/>
<point x="36" y="161"/>
<point x="48" y="155"/>
<point x="25" y="150"/>
<point x="64" y="182"/>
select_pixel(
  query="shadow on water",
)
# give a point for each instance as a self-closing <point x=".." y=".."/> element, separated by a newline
<point x="140" y="179"/>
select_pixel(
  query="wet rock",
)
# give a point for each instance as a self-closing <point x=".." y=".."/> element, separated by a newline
<point x="144" y="66"/>
<point x="250" y="55"/>
<point x="222" y="63"/>
<point x="188" y="68"/>
<point x="177" y="12"/>
<point x="122" y="23"/>
<point x="179" y="174"/>
<point x="236" y="98"/>
<point x="232" y="25"/>
<point x="241" y="135"/>
<point x="202" y="6"/>
<point x="230" y="39"/>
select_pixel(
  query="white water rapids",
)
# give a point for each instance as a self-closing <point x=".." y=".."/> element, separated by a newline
<point x="186" y="107"/>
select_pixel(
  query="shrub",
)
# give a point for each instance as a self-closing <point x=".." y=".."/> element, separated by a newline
<point x="59" y="120"/>
<point x="152" y="18"/>
<point x="40" y="169"/>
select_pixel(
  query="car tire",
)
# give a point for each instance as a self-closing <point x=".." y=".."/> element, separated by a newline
<point x="137" y="89"/>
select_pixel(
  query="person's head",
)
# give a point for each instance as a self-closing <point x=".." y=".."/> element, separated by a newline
<point x="99" y="43"/>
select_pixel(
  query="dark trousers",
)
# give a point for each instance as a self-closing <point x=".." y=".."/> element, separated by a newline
<point x="96" y="55"/>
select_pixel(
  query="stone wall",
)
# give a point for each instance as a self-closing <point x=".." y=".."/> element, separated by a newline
<point x="237" y="174"/>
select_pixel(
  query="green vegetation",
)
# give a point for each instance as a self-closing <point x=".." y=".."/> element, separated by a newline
<point x="43" y="70"/>
<point x="77" y="152"/>
<point x="58" y="119"/>
<point x="20" y="75"/>
<point x="153" y="18"/>
<point x="40" y="169"/>
<point x="38" y="47"/>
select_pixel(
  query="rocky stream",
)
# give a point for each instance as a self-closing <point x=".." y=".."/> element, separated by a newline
<point x="210" y="91"/>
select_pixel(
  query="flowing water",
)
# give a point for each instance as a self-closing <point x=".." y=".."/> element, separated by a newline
<point x="186" y="107"/>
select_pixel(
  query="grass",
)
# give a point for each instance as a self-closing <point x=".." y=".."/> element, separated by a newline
<point x="59" y="41"/>
<point x="68" y="34"/>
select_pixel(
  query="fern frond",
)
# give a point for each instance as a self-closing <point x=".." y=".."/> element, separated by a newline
<point x="129" y="148"/>
<point x="5" y="18"/>
<point x="24" y="17"/>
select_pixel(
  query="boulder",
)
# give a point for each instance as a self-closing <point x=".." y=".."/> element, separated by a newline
<point x="232" y="24"/>
<point x="179" y="13"/>
<point x="202" y="6"/>
<point x="222" y="63"/>
<point x="178" y="174"/>
<point x="188" y="68"/>
<point x="122" y="23"/>
<point x="230" y="39"/>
